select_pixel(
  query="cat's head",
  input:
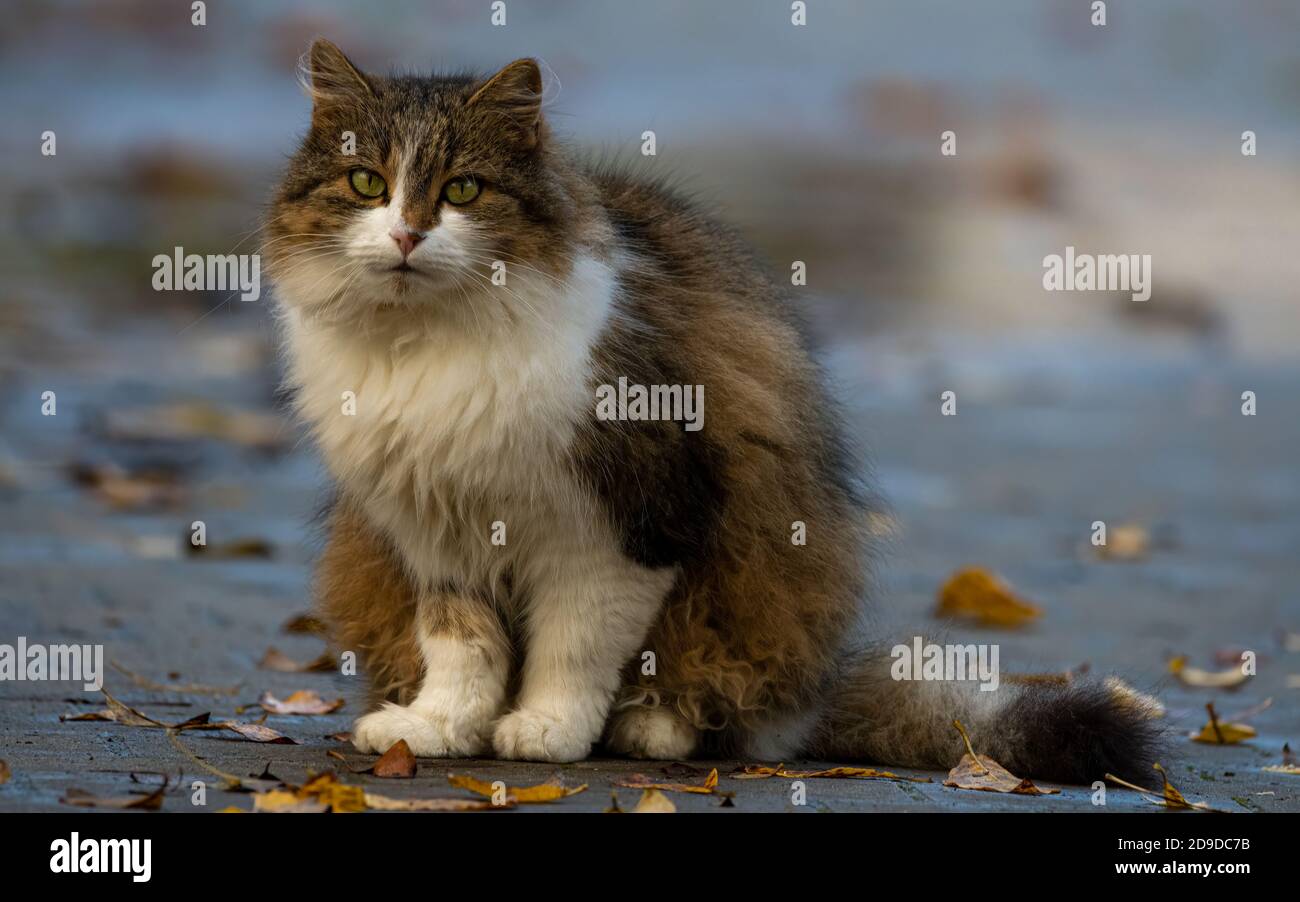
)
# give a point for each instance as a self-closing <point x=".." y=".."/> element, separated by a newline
<point x="408" y="193"/>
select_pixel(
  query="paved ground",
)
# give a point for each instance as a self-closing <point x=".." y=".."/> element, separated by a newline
<point x="1047" y="439"/>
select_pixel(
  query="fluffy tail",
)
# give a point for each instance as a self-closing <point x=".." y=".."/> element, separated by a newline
<point x="1073" y="732"/>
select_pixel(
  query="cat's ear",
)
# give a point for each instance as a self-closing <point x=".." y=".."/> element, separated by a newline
<point x="515" y="91"/>
<point x="330" y="78"/>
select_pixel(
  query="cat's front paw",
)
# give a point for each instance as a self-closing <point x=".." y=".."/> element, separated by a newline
<point x="428" y="735"/>
<point x="528" y="735"/>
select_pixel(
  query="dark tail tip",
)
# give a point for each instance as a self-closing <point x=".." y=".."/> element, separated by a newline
<point x="1078" y="733"/>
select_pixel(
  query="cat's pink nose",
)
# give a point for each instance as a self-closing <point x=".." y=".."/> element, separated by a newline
<point x="406" y="239"/>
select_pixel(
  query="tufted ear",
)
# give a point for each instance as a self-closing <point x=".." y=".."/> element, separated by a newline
<point x="515" y="91"/>
<point x="330" y="78"/>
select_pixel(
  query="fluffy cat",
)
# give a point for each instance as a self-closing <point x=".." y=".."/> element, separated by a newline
<point x="522" y="576"/>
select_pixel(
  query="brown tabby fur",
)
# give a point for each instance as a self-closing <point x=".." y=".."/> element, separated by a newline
<point x="756" y="627"/>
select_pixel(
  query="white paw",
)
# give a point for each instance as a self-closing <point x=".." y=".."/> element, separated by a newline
<point x="428" y="735"/>
<point x="533" y="736"/>
<point x="646" y="732"/>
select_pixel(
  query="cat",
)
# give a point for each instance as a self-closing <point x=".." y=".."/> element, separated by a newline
<point x="521" y="576"/>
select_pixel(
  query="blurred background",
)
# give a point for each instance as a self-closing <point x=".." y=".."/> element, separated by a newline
<point x="822" y="144"/>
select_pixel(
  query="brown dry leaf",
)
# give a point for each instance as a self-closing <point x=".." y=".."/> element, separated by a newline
<point x="304" y="701"/>
<point x="653" y="801"/>
<point x="190" y="420"/>
<point x="116" y="712"/>
<point x="1220" y="732"/>
<point x="613" y="804"/>
<point x="339" y="737"/>
<point x="254" y="732"/>
<point x="150" y="801"/>
<point x="384" y="803"/>
<point x="397" y="762"/>
<point x="977" y="594"/>
<point x="1127" y="542"/>
<point x="1169" y="797"/>
<point x="184" y="688"/>
<point x="757" y="771"/>
<point x="708" y="787"/>
<point x="1207" y="679"/>
<point x="981" y="772"/>
<point x="305" y="624"/>
<point x="5" y="773"/>
<point x="524" y="795"/>
<point x="276" y="660"/>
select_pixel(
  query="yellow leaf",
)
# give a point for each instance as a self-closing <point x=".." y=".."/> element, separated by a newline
<point x="525" y="795"/>
<point x="1207" y="679"/>
<point x="1218" y="732"/>
<point x="980" y="772"/>
<point x="976" y="594"/>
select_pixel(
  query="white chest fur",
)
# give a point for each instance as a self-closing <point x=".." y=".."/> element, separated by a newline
<point x="457" y="442"/>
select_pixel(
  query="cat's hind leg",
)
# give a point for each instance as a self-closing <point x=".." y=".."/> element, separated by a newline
<point x="651" y="731"/>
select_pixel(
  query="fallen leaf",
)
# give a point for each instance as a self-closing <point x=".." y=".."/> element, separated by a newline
<point x="150" y="801"/>
<point x="979" y="595"/>
<point x="340" y="798"/>
<point x="339" y="737"/>
<point x="1127" y="542"/>
<point x="1169" y="797"/>
<point x="613" y="804"/>
<point x="980" y="772"/>
<point x="1221" y="732"/>
<point x="396" y="762"/>
<point x="654" y="802"/>
<point x="5" y="773"/>
<point x="304" y="701"/>
<point x="117" y="712"/>
<point x="274" y="659"/>
<point x="1207" y="679"/>
<point x="757" y="771"/>
<point x="1293" y="769"/>
<point x="321" y="793"/>
<point x="544" y="792"/>
<point x="256" y="732"/>
<point x="305" y="624"/>
<point x="641" y="781"/>
<point x="384" y="803"/>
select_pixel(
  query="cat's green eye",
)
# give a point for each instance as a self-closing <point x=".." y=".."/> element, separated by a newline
<point x="367" y="183"/>
<point x="460" y="190"/>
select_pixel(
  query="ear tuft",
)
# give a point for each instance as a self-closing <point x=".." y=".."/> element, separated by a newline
<point x="328" y="75"/>
<point x="516" y="91"/>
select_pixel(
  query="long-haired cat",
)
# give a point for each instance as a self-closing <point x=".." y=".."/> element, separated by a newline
<point x="523" y="575"/>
